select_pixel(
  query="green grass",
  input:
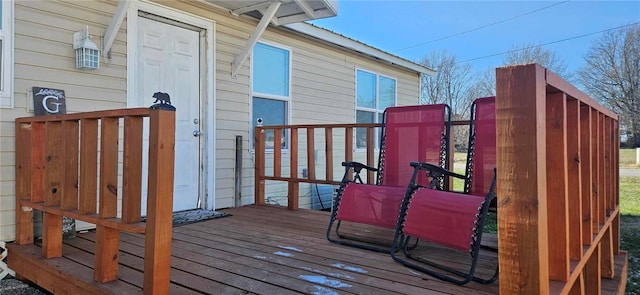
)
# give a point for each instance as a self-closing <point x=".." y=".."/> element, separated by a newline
<point x="630" y="229"/>
<point x="460" y="157"/>
<point x="630" y="196"/>
<point x="630" y="242"/>
<point x="628" y="158"/>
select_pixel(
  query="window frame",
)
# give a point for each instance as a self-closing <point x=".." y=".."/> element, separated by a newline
<point x="377" y="112"/>
<point x="287" y="99"/>
<point x="6" y="54"/>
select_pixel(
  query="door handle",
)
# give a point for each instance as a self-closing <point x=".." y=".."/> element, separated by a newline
<point x="196" y="133"/>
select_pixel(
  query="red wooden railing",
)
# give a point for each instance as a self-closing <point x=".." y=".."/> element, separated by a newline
<point x="325" y="131"/>
<point x="558" y="204"/>
<point x="57" y="160"/>
<point x="336" y="140"/>
<point x="558" y="194"/>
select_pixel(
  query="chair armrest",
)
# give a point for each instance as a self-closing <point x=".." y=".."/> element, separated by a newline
<point x="357" y="167"/>
<point x="435" y="169"/>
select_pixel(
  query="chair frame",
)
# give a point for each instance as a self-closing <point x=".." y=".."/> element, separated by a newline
<point x="357" y="168"/>
<point x="401" y="241"/>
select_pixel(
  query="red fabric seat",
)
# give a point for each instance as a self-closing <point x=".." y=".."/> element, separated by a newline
<point x="371" y="204"/>
<point x="442" y="217"/>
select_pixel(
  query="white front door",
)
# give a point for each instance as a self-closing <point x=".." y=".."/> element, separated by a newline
<point x="169" y="61"/>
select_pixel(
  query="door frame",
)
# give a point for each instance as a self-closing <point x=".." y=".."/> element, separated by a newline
<point x="206" y="194"/>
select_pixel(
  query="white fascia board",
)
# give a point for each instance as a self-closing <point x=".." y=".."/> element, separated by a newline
<point x="360" y="47"/>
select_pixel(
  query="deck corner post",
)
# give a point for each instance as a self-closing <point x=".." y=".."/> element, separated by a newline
<point x="521" y="158"/>
<point x="157" y="257"/>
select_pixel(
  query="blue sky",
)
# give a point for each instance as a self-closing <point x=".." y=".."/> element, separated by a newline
<point x="402" y="27"/>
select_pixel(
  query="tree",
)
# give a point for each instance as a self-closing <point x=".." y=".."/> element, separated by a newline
<point x="450" y="84"/>
<point x="485" y="85"/>
<point x="522" y="54"/>
<point x="528" y="53"/>
<point x="611" y="75"/>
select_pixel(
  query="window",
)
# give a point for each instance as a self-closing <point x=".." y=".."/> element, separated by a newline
<point x="6" y="54"/>
<point x="374" y="93"/>
<point x="271" y="88"/>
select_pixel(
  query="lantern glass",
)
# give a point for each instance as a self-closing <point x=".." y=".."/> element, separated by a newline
<point x="87" y="58"/>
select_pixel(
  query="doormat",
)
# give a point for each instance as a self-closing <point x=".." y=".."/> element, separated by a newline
<point x="194" y="215"/>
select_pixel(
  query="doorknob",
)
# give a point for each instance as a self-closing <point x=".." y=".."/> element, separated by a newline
<point x="196" y="133"/>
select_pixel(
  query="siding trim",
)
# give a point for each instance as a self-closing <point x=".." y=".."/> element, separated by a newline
<point x="7" y="18"/>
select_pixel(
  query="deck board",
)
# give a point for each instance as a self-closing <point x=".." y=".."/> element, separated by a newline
<point x="258" y="250"/>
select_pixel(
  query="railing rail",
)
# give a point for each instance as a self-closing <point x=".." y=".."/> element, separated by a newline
<point x="335" y="140"/>
<point x="57" y="160"/>
<point x="558" y="204"/>
<point x="330" y="146"/>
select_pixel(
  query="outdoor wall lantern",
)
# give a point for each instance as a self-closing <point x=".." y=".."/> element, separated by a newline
<point x="87" y="52"/>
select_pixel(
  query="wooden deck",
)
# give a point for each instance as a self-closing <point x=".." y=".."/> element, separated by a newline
<point x="259" y="249"/>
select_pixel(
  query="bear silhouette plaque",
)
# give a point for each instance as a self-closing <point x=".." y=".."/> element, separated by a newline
<point x="162" y="102"/>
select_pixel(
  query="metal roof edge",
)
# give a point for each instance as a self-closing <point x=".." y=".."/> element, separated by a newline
<point x="355" y="45"/>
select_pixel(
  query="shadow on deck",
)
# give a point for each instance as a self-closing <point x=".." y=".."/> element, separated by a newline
<point x="260" y="249"/>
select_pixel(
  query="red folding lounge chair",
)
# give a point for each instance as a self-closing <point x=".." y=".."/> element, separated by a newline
<point x="452" y="219"/>
<point x="409" y="133"/>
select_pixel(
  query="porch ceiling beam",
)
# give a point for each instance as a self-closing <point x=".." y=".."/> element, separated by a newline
<point x="262" y="25"/>
<point x="114" y="26"/>
<point x="258" y="6"/>
<point x="306" y="7"/>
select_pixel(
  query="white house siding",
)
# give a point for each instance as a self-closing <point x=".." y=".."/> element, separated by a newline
<point x="323" y="86"/>
<point x="44" y="57"/>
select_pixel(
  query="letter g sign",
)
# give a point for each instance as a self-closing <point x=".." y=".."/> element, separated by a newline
<point x="47" y="101"/>
<point x="55" y="105"/>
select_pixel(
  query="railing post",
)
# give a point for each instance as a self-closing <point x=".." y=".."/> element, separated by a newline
<point x="259" y="150"/>
<point x="293" y="190"/>
<point x="277" y="152"/>
<point x="371" y="179"/>
<point x="328" y="150"/>
<point x="311" y="153"/>
<point x="348" y="148"/>
<point x="24" y="215"/>
<point x="522" y="196"/>
<point x="157" y="256"/>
